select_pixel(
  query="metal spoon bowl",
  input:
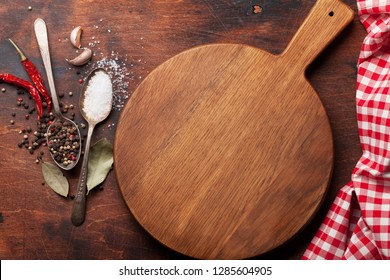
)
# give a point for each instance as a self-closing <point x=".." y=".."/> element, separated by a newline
<point x="79" y="206"/>
<point x="64" y="157"/>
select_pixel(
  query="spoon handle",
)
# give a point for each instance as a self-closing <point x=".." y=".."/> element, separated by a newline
<point x="43" y="43"/>
<point x="79" y="203"/>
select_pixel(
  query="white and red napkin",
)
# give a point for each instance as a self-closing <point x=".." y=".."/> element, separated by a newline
<point x="358" y="224"/>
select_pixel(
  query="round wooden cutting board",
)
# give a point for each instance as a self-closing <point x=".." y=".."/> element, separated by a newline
<point x="225" y="151"/>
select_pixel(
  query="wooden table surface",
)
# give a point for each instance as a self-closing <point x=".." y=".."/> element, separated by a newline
<point x="132" y="38"/>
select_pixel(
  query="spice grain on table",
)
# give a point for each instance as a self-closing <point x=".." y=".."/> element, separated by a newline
<point x="130" y="39"/>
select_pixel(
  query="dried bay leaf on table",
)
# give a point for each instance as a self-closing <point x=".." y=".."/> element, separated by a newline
<point x="100" y="162"/>
<point x="55" y="179"/>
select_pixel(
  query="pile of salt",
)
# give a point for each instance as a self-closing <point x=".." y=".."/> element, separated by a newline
<point x="98" y="97"/>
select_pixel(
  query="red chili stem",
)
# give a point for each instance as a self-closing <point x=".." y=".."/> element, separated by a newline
<point x="34" y="75"/>
<point x="11" y="79"/>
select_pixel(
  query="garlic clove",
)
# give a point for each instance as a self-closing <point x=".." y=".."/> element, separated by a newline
<point x="82" y="58"/>
<point x="75" y="36"/>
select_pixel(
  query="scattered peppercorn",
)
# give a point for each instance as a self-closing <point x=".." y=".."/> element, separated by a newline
<point x="20" y="91"/>
<point x="67" y="141"/>
<point x="3" y="90"/>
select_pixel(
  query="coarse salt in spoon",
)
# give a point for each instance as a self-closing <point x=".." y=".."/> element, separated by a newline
<point x="95" y="104"/>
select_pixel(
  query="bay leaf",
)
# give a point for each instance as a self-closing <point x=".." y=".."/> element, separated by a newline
<point x="55" y="179"/>
<point x="100" y="162"/>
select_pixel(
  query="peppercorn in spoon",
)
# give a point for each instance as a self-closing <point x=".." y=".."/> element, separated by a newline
<point x="95" y="103"/>
<point x="63" y="135"/>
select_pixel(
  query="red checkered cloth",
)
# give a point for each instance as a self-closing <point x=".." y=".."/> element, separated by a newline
<point x="358" y="224"/>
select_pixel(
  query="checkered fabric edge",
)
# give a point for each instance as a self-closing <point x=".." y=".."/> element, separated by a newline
<point x="357" y="225"/>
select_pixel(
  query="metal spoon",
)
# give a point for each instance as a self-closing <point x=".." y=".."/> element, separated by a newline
<point x="79" y="206"/>
<point x="43" y="43"/>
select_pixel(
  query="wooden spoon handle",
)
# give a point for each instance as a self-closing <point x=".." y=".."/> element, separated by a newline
<point x="325" y="21"/>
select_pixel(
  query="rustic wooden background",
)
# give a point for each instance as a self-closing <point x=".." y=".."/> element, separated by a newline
<point x="140" y="35"/>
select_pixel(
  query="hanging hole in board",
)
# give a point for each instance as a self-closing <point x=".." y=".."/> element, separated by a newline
<point x="331" y="13"/>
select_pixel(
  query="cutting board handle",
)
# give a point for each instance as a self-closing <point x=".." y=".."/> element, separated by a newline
<point x="325" y="21"/>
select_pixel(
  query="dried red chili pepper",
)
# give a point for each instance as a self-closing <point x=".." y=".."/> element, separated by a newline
<point x="11" y="79"/>
<point x="34" y="75"/>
